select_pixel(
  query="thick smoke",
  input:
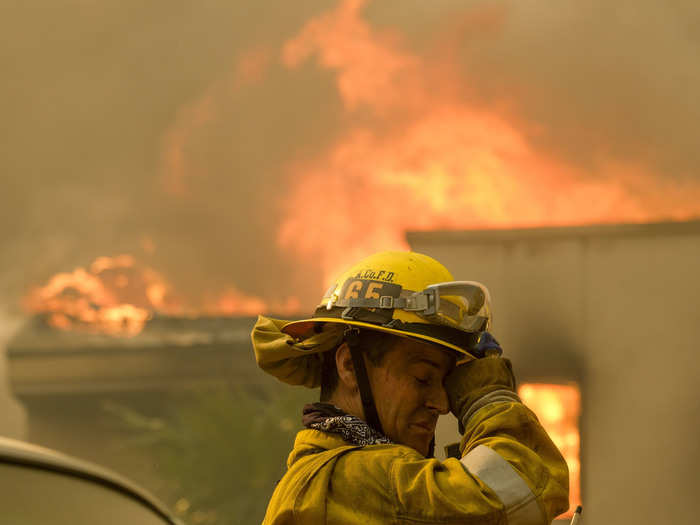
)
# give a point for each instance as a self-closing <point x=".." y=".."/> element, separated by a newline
<point x="171" y="132"/>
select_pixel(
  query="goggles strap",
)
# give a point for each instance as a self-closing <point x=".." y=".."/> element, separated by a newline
<point x="358" y="362"/>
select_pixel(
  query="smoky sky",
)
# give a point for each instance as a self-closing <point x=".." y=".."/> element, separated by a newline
<point x="92" y="91"/>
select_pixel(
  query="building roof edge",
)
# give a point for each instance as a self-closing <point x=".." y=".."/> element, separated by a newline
<point x="555" y="232"/>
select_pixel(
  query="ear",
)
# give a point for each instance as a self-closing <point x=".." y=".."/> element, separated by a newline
<point x="346" y="371"/>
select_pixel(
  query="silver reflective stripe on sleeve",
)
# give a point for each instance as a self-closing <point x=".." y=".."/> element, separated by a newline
<point x="504" y="480"/>
<point x="497" y="396"/>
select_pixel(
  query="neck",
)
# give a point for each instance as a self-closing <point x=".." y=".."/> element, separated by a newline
<point x="348" y="402"/>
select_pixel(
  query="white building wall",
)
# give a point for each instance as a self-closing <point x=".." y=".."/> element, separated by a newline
<point x="614" y="308"/>
<point x="13" y="420"/>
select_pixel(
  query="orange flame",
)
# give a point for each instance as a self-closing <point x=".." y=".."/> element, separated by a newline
<point x="112" y="296"/>
<point x="558" y="407"/>
<point x="116" y="296"/>
<point x="418" y="154"/>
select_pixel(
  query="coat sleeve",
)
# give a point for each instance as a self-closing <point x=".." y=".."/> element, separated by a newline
<point x="510" y="473"/>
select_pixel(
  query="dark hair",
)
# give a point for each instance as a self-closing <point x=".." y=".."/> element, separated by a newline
<point x="375" y="345"/>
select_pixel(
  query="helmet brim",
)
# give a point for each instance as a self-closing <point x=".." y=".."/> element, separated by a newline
<point x="305" y="327"/>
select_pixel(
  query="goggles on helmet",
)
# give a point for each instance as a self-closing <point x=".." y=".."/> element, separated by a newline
<point x="460" y="304"/>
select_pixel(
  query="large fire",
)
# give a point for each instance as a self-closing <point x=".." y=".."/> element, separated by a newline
<point x="417" y="150"/>
<point x="418" y="153"/>
<point x="558" y="407"/>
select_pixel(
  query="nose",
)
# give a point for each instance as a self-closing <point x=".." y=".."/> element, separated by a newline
<point x="438" y="400"/>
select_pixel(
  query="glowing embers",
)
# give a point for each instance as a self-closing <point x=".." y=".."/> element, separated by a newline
<point x="558" y="408"/>
<point x="113" y="295"/>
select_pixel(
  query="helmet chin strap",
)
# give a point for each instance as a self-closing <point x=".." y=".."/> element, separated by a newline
<point x="372" y="417"/>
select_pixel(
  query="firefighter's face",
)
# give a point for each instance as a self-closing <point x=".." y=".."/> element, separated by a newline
<point x="409" y="392"/>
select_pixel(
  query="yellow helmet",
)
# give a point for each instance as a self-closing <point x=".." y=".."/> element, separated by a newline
<point x="407" y="294"/>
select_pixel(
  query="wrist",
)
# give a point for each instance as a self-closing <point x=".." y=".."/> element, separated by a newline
<point x="478" y="383"/>
<point x="487" y="397"/>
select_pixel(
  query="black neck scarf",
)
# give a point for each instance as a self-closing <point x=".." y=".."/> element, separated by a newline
<point x="329" y="418"/>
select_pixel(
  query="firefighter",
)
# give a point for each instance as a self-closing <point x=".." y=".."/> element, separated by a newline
<point x="394" y="344"/>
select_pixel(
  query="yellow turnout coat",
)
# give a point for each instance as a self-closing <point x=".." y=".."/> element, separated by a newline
<point x="510" y="473"/>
